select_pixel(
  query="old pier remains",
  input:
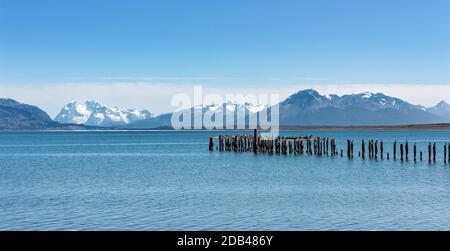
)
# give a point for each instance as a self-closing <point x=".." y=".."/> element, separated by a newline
<point x="318" y="146"/>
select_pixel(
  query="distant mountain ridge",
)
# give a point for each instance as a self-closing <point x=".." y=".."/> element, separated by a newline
<point x="93" y="113"/>
<point x="164" y="120"/>
<point x="308" y="107"/>
<point x="303" y="108"/>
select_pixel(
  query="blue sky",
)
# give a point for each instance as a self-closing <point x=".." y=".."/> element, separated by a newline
<point x="234" y="43"/>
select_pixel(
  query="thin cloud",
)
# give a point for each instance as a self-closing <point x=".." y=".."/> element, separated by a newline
<point x="298" y="78"/>
<point x="310" y="78"/>
<point x="163" y="78"/>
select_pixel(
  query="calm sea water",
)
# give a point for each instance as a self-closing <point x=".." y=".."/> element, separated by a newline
<point x="166" y="180"/>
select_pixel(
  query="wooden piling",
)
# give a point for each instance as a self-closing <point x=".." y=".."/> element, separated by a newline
<point x="373" y="149"/>
<point x="348" y="148"/>
<point x="406" y="150"/>
<point x="395" y="149"/>
<point x="362" y="149"/>
<point x="376" y="149"/>
<point x="434" y="152"/>
<point x="448" y="151"/>
<point x="415" y="151"/>
<point x="429" y="152"/>
<point x="351" y="149"/>
<point x="401" y="152"/>
<point x="381" y="149"/>
<point x="445" y="153"/>
<point x="211" y="143"/>
<point x="255" y="140"/>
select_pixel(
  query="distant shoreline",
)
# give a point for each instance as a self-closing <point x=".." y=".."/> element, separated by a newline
<point x="422" y="127"/>
<point x="431" y="127"/>
<point x="441" y="126"/>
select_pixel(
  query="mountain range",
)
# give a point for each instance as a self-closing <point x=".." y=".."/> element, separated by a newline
<point x="303" y="108"/>
<point x="308" y="107"/>
<point x="92" y="113"/>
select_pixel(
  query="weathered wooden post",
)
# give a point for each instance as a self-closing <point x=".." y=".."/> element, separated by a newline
<point x="348" y="148"/>
<point x="225" y="141"/>
<point x="381" y="149"/>
<point x="333" y="146"/>
<point x="301" y="146"/>
<point x="373" y="149"/>
<point x="406" y="150"/>
<point x="277" y="145"/>
<point x="351" y="149"/>
<point x="318" y="146"/>
<point x="376" y="149"/>
<point x="395" y="149"/>
<point x="335" y="150"/>
<point x="415" y="151"/>
<point x="362" y="149"/>
<point x="255" y="140"/>
<point x="211" y="143"/>
<point x="401" y="152"/>
<point x="429" y="152"/>
<point x="445" y="153"/>
<point x="434" y="152"/>
<point x="308" y="146"/>
<point x="448" y="151"/>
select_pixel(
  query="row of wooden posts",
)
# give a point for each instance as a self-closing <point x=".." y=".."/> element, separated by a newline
<point x="317" y="146"/>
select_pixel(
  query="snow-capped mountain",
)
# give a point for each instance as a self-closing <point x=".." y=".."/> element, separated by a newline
<point x="308" y="107"/>
<point x="164" y="120"/>
<point x="94" y="113"/>
<point x="232" y="107"/>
